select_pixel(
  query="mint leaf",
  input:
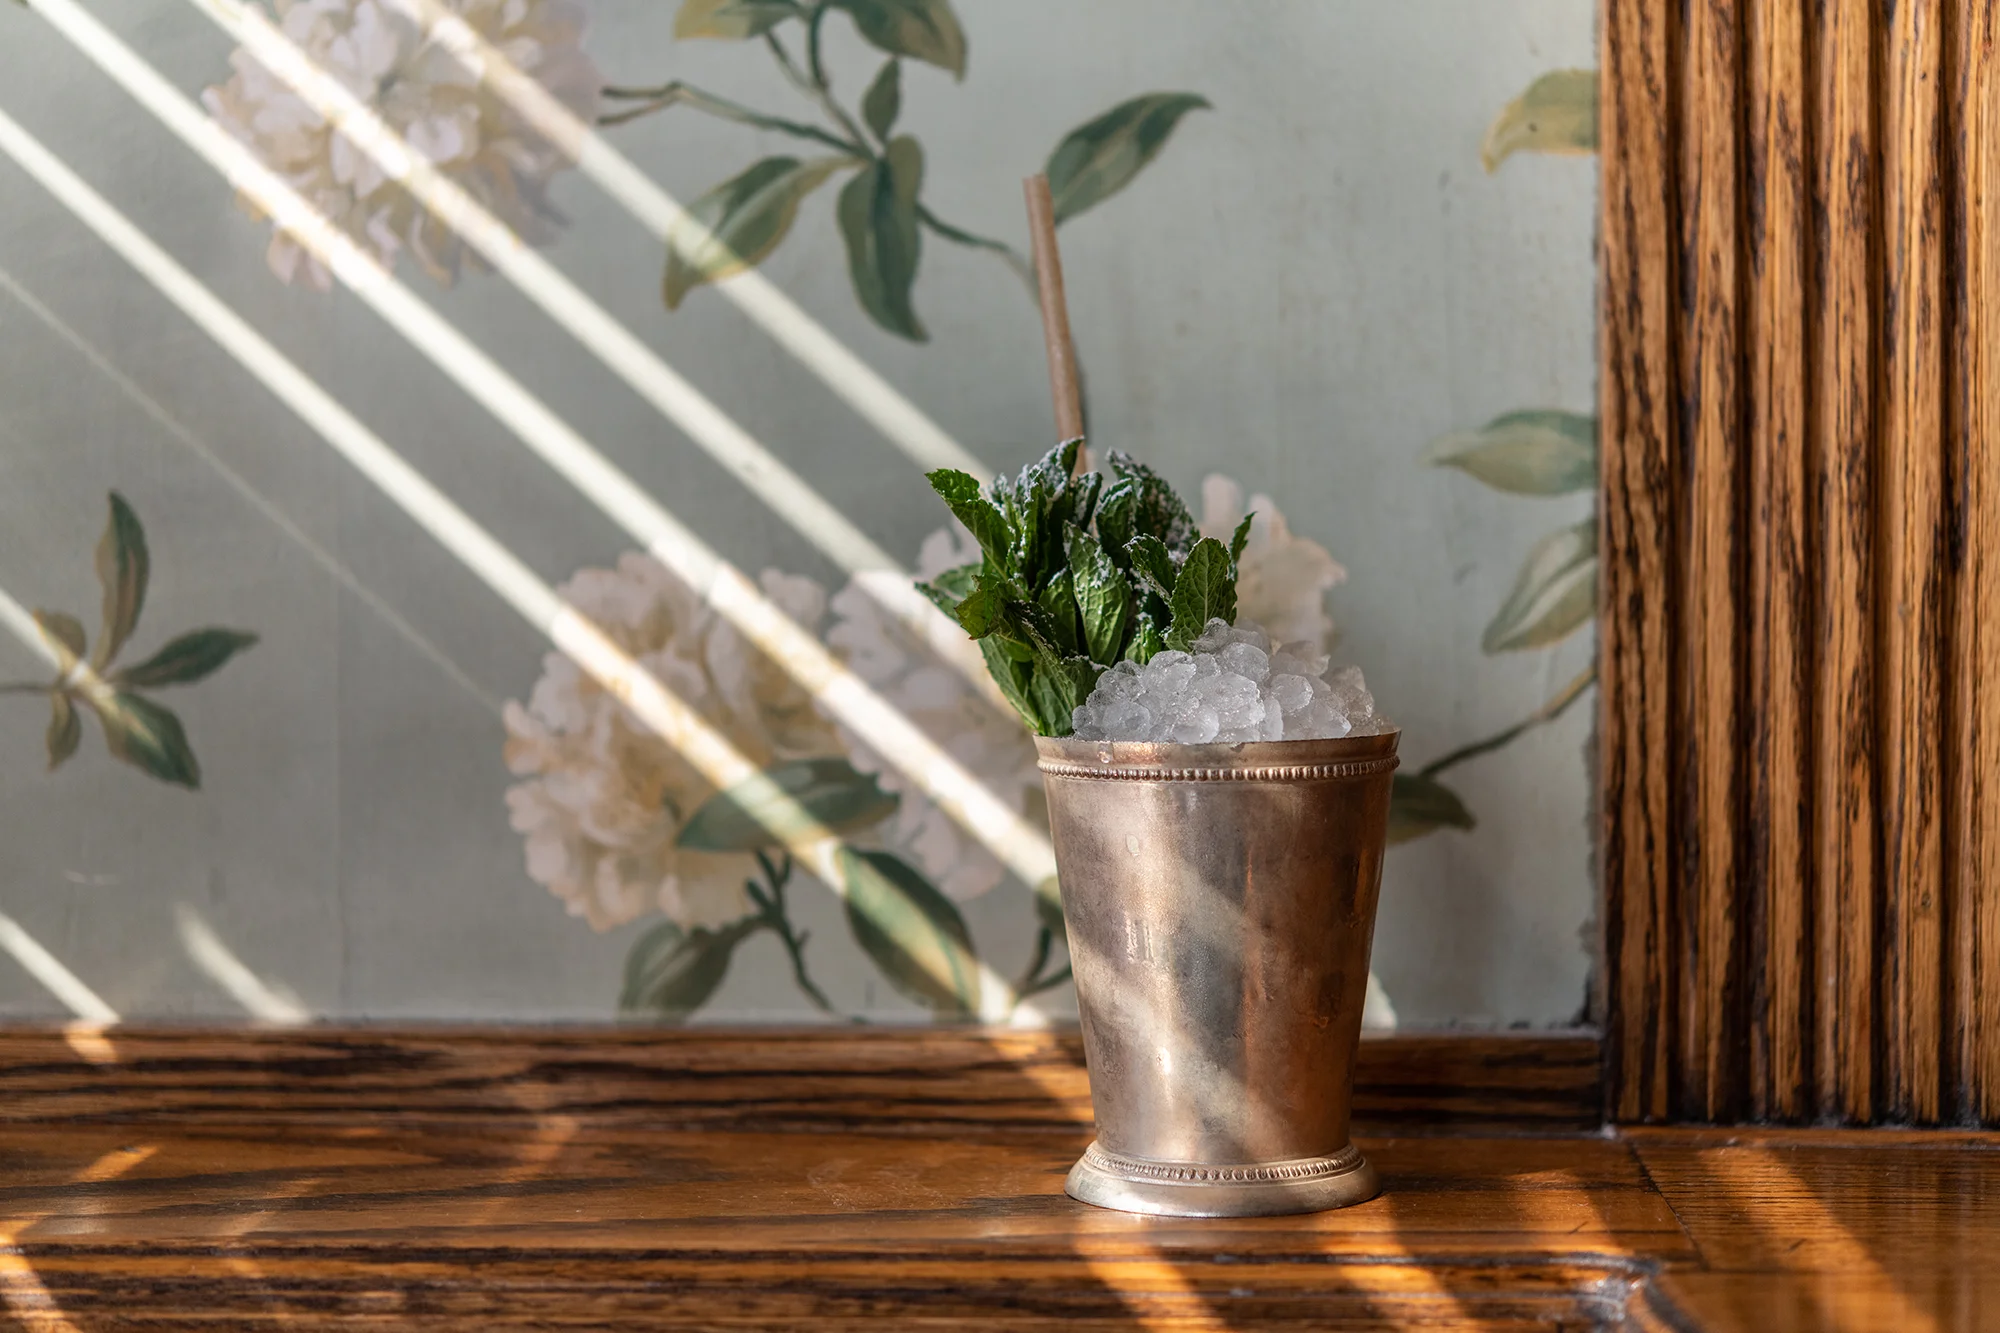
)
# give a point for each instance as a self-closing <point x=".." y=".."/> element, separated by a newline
<point x="1102" y="598"/>
<point x="960" y="492"/>
<point x="1205" y="591"/>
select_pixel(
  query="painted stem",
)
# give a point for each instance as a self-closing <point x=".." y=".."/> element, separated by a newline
<point x="1548" y="712"/>
<point x="775" y="913"/>
<point x="678" y="93"/>
<point x="1014" y="259"/>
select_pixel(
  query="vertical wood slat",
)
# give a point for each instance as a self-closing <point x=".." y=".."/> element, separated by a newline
<point x="1801" y="559"/>
<point x="1636" y="402"/>
<point x="1779" y="611"/>
<point x="1709" y="518"/>
<point x="1972" y="850"/>
<point x="1840" y="458"/>
<point x="1910" y="452"/>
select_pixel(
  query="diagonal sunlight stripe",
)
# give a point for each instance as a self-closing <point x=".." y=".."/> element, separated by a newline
<point x="22" y="1290"/>
<point x="57" y="979"/>
<point x="257" y="500"/>
<point x="851" y="379"/>
<point x="258" y="997"/>
<point x="612" y="343"/>
<point x="962" y="798"/>
<point x="657" y="707"/>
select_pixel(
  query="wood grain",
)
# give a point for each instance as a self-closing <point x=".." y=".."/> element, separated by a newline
<point x="1909" y="630"/>
<point x="434" y="1198"/>
<point x="1818" y="1232"/>
<point x="1636" y="396"/>
<point x="1779" y="828"/>
<point x="1840" y="459"/>
<point x="572" y="1224"/>
<point x="1972" y="757"/>
<point x="1710" y="520"/>
<point x="1800" y="647"/>
<point x="921" y="1080"/>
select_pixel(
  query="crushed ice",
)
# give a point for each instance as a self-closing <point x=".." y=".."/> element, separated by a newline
<point x="1235" y="686"/>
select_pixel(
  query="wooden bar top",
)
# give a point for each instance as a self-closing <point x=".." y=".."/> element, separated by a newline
<point x="571" y="1181"/>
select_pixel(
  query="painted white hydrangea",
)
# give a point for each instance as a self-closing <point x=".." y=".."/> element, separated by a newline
<point x="383" y="55"/>
<point x="992" y="744"/>
<point x="1283" y="578"/>
<point x="605" y="797"/>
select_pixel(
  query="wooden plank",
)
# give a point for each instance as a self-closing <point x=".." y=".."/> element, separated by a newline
<point x="965" y="1080"/>
<point x="1972" y="849"/>
<point x="1800" y="1230"/>
<point x="1843" y="328"/>
<point x="562" y="1223"/>
<point x="1710" y="746"/>
<point x="1636" y="393"/>
<point x="1910" y="609"/>
<point x="1779" y="598"/>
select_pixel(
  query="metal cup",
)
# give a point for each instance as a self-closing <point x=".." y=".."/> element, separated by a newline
<point x="1220" y="903"/>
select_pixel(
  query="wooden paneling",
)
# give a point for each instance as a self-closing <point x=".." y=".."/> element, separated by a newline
<point x="1801" y="646"/>
<point x="1972" y="754"/>
<point x="1638" y="301"/>
<point x="1777" y="784"/>
<point x="813" y="1078"/>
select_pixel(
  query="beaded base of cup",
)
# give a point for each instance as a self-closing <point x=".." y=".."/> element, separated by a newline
<point x="1206" y="1189"/>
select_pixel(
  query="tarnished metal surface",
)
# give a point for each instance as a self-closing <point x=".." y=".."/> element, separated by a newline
<point x="1220" y="902"/>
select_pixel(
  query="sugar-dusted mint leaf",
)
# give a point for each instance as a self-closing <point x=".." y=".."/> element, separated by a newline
<point x="1152" y="562"/>
<point x="1158" y="512"/>
<point x="960" y="492"/>
<point x="1205" y="591"/>
<point x="1102" y="597"/>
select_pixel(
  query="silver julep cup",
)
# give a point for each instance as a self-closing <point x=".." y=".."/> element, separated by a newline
<point x="1220" y="903"/>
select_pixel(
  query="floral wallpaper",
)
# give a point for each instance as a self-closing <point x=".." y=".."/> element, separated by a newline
<point x="414" y="801"/>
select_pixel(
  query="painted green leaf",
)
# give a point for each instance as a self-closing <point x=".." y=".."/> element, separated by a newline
<point x="731" y="20"/>
<point x="740" y="222"/>
<point x="122" y="568"/>
<point x="924" y="30"/>
<point x="670" y="973"/>
<point x="1146" y="640"/>
<point x="148" y="737"/>
<point x="186" y="659"/>
<point x="65" y="729"/>
<point x="1205" y="591"/>
<point x="883" y="101"/>
<point x="1420" y="805"/>
<point x="785" y="802"/>
<point x="878" y="220"/>
<point x="1104" y="602"/>
<point x="911" y="931"/>
<point x="1151" y="561"/>
<point x="1558" y="114"/>
<point x="982" y="518"/>
<point x="1555" y="592"/>
<point x="1241" y="539"/>
<point x="1535" y="452"/>
<point x="1098" y="159"/>
<point x="64" y="634"/>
